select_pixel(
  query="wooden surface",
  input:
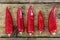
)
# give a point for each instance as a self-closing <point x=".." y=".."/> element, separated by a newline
<point x="45" y="8"/>
<point x="36" y="7"/>
<point x="29" y="38"/>
<point x="29" y="0"/>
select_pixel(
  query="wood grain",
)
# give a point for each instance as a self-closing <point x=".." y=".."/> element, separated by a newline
<point x="29" y="0"/>
<point x="45" y="8"/>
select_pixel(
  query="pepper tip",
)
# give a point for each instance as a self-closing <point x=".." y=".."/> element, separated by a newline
<point x="30" y="7"/>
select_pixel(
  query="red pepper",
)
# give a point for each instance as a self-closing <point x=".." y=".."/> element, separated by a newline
<point x="30" y="21"/>
<point x="40" y="22"/>
<point x="8" y="22"/>
<point x="52" y="21"/>
<point x="20" y="22"/>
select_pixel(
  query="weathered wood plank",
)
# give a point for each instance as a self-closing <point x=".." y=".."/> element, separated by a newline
<point x="29" y="38"/>
<point x="47" y="39"/>
<point x="29" y="0"/>
<point x="36" y="7"/>
<point x="13" y="38"/>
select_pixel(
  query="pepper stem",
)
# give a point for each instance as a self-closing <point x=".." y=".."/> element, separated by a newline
<point x="53" y="33"/>
<point x="20" y="33"/>
<point x="30" y="34"/>
<point x="9" y="35"/>
<point x="40" y="32"/>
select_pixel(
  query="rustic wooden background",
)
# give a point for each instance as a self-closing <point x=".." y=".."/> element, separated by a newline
<point x="29" y="0"/>
<point x="36" y="7"/>
<point x="29" y="38"/>
<point x="45" y="8"/>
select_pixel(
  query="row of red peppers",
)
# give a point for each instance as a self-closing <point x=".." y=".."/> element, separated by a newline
<point x="30" y="21"/>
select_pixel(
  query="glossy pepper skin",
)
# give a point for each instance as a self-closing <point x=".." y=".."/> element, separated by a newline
<point x="20" y="21"/>
<point x="52" y="27"/>
<point x="40" y="22"/>
<point x="8" y="22"/>
<point x="30" y="21"/>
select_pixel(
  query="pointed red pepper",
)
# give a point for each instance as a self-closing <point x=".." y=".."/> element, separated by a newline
<point x="8" y="22"/>
<point x="30" y="21"/>
<point x="20" y="21"/>
<point x="40" y="22"/>
<point x="52" y="21"/>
